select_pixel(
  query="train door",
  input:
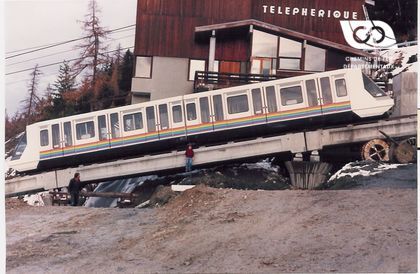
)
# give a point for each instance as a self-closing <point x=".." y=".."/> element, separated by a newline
<point x="258" y="105"/>
<point x="312" y="93"/>
<point x="163" y="122"/>
<point x="177" y="121"/>
<point x="191" y="114"/>
<point x="103" y="130"/>
<point x="67" y="138"/>
<point x="152" y="124"/>
<point x="206" y="113"/>
<point x="56" y="137"/>
<point x="271" y="105"/>
<point x="114" y="128"/>
<point x="218" y="111"/>
<point x="325" y="93"/>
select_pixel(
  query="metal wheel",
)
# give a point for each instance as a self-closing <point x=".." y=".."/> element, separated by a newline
<point x="405" y="152"/>
<point x="376" y="150"/>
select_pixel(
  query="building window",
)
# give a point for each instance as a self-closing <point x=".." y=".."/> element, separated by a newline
<point x="196" y="65"/>
<point x="314" y="58"/>
<point x="291" y="96"/>
<point x="144" y="67"/>
<point x="44" y="138"/>
<point x="238" y="104"/>
<point x="290" y="54"/>
<point x="85" y="130"/>
<point x="264" y="44"/>
<point x="133" y="121"/>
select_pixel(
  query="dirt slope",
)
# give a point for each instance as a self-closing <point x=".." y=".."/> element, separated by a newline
<point x="212" y="230"/>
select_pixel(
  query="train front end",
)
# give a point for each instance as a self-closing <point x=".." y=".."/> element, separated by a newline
<point x="367" y="98"/>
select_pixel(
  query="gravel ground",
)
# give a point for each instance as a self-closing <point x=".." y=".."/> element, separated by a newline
<point x="223" y="230"/>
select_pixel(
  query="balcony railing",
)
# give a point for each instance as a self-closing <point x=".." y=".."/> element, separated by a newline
<point x="205" y="81"/>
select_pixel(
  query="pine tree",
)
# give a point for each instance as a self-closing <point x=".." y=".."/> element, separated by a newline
<point x="115" y="75"/>
<point x="92" y="56"/>
<point x="65" y="81"/>
<point x="125" y="76"/>
<point x="64" y="85"/>
<point x="30" y="103"/>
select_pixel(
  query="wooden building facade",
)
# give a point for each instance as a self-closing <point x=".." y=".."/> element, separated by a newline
<point x="175" y="38"/>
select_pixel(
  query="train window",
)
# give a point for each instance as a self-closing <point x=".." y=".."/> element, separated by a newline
<point x="191" y="112"/>
<point x="103" y="132"/>
<point x="291" y="96"/>
<point x="133" y="121"/>
<point x="20" y="148"/>
<point x="372" y="88"/>
<point x="115" y="125"/>
<point x="177" y="114"/>
<point x="257" y="101"/>
<point x="218" y="108"/>
<point x="271" y="99"/>
<point x="205" y="110"/>
<point x="44" y="138"/>
<point x="311" y="92"/>
<point x="68" y="138"/>
<point x="85" y="130"/>
<point x="237" y="104"/>
<point x="163" y="116"/>
<point x="340" y="87"/>
<point x="326" y="90"/>
<point x="55" y="130"/>
<point x="151" y="119"/>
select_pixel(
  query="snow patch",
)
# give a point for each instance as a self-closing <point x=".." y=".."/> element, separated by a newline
<point x="362" y="169"/>
<point x="265" y="164"/>
<point x="35" y="199"/>
<point x="399" y="58"/>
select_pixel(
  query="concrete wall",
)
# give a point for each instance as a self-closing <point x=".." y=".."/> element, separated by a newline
<point x="169" y="79"/>
<point x="405" y="94"/>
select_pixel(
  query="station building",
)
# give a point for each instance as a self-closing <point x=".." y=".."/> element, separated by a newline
<point x="231" y="41"/>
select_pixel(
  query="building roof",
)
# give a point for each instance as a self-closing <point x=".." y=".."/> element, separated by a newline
<point x="279" y="30"/>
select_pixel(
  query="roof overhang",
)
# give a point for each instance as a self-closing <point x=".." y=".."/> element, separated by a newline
<point x="211" y="29"/>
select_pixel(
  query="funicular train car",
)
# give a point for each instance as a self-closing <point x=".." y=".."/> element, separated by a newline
<point x="273" y="107"/>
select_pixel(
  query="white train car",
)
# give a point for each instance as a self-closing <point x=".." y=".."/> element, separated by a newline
<point x="272" y="107"/>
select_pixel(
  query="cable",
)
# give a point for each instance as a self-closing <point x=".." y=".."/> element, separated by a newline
<point x="60" y="43"/>
<point x="53" y="64"/>
<point x="40" y="57"/>
<point x="20" y="62"/>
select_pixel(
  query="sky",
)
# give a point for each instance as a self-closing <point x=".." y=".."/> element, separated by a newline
<point x="34" y="23"/>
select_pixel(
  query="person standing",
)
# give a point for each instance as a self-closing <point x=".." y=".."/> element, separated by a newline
<point x="189" y="155"/>
<point x="74" y="189"/>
